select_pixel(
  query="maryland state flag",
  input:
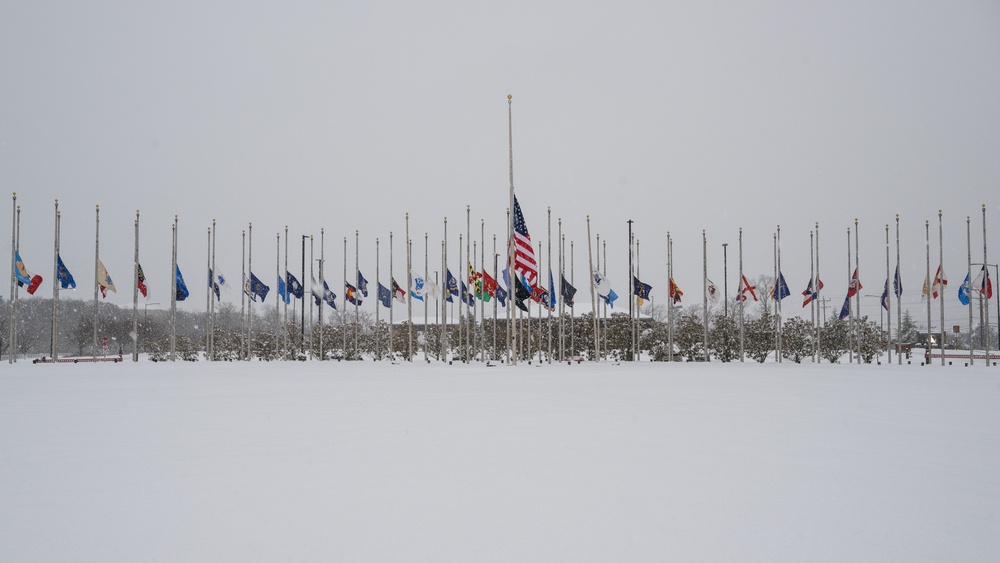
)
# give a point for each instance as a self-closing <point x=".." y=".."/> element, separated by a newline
<point x="24" y="277"/>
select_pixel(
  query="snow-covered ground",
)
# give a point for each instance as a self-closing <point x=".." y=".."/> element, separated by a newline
<point x="382" y="462"/>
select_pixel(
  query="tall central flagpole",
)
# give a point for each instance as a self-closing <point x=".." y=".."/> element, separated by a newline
<point x="357" y="315"/>
<point x="97" y="258"/>
<point x="820" y="321"/>
<point x="54" y="352"/>
<point x="135" y="291"/>
<point x="850" y="315"/>
<point x="377" y="282"/>
<point x="812" y="288"/>
<point x="777" y="292"/>
<point x="343" y="308"/>
<point x="857" y="294"/>
<point x="562" y="301"/>
<point x="742" y="300"/>
<point x="670" y="297"/>
<point x="286" y="300"/>
<point x="898" y="290"/>
<point x="252" y="299"/>
<point x="704" y="291"/>
<point x="888" y="302"/>
<point x="409" y="292"/>
<point x="941" y="266"/>
<point x="427" y="280"/>
<point x="277" y="305"/>
<point x="392" y="297"/>
<point x="511" y="329"/>
<point x="593" y="301"/>
<point x="968" y="280"/>
<point x="215" y="277"/>
<point x="986" y="294"/>
<point x="208" y="294"/>
<point x="322" y="290"/>
<point x="13" y="280"/>
<point x="243" y="295"/>
<point x="302" y="306"/>
<point x="173" y="293"/>
<point x="548" y="256"/>
<point x="444" y="293"/>
<point x="631" y="296"/>
<point x="927" y="288"/>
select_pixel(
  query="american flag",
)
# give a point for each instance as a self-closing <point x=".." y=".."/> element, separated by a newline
<point x="524" y="254"/>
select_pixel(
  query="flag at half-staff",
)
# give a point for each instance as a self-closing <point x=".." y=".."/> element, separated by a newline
<point x="675" y="292"/>
<point x="568" y="292"/>
<point x="257" y="288"/>
<point x="293" y="287"/>
<point x="855" y="286"/>
<point x="362" y="284"/>
<point x="640" y="290"/>
<point x="140" y="281"/>
<point x="397" y="292"/>
<point x="182" y="290"/>
<point x="811" y="294"/>
<point x="417" y="287"/>
<point x="521" y="293"/>
<point x="489" y="286"/>
<point x="329" y="296"/>
<point x="983" y="284"/>
<point x="525" y="262"/>
<point x="66" y="280"/>
<point x="746" y="288"/>
<point x="104" y="280"/>
<point x="845" y="311"/>
<point x="467" y="296"/>
<point x="351" y="294"/>
<point x="384" y="296"/>
<point x="452" y="286"/>
<point x="940" y="280"/>
<point x="24" y="277"/>
<point x="781" y="288"/>
<point x="603" y="288"/>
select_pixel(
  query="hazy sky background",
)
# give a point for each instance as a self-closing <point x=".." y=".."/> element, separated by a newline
<point x="682" y="116"/>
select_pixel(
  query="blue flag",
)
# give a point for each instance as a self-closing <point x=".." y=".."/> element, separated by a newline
<point x="501" y="295"/>
<point x="213" y="286"/>
<point x="845" y="311"/>
<point x="781" y="288"/>
<point x="417" y="291"/>
<point x="328" y="296"/>
<point x="610" y="298"/>
<point x="293" y="286"/>
<point x="452" y="286"/>
<point x="467" y="297"/>
<point x="384" y="296"/>
<point x="885" y="295"/>
<point x="66" y="280"/>
<point x="182" y="290"/>
<point x="963" y="291"/>
<point x="641" y="290"/>
<point x="258" y="288"/>
<point x="897" y="283"/>
<point x="283" y="292"/>
<point x="362" y="284"/>
<point x="552" y="293"/>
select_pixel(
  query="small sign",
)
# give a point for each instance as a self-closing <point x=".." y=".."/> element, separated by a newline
<point x="957" y="329"/>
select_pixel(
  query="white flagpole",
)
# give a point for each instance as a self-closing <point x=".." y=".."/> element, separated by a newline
<point x="888" y="297"/>
<point x="469" y="258"/>
<point x="986" y="271"/>
<point x="820" y="321"/>
<point x="208" y="294"/>
<point x="277" y="305"/>
<point x="812" y="288"/>
<point x="562" y="300"/>
<point x="927" y="280"/>
<point x="173" y="292"/>
<point x="243" y="295"/>
<point x="777" y="292"/>
<point x="941" y="266"/>
<point x="215" y="278"/>
<point x="600" y="321"/>
<point x="377" y="282"/>
<point x="461" y="298"/>
<point x="54" y="352"/>
<point x="899" y="297"/>
<point x="13" y="280"/>
<point x="343" y="309"/>
<point x="135" y="290"/>
<point x="850" y="315"/>
<point x="704" y="291"/>
<point x="548" y="306"/>
<point x="97" y="258"/>
<point x="968" y="277"/>
<point x="670" y="297"/>
<point x="857" y="295"/>
<point x="482" y="292"/>
<point x="742" y="300"/>
<point x="511" y="329"/>
<point x="427" y="333"/>
<point x="284" y="305"/>
<point x="322" y="290"/>
<point x="443" y="336"/>
<point x="593" y="302"/>
<point x="357" y="316"/>
<point x="250" y="301"/>
<point x="572" y="308"/>
<point x="409" y="292"/>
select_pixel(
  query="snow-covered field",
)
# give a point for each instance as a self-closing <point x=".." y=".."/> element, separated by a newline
<point x="382" y="462"/>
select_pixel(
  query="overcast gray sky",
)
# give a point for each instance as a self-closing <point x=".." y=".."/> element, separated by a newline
<point x="682" y="116"/>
